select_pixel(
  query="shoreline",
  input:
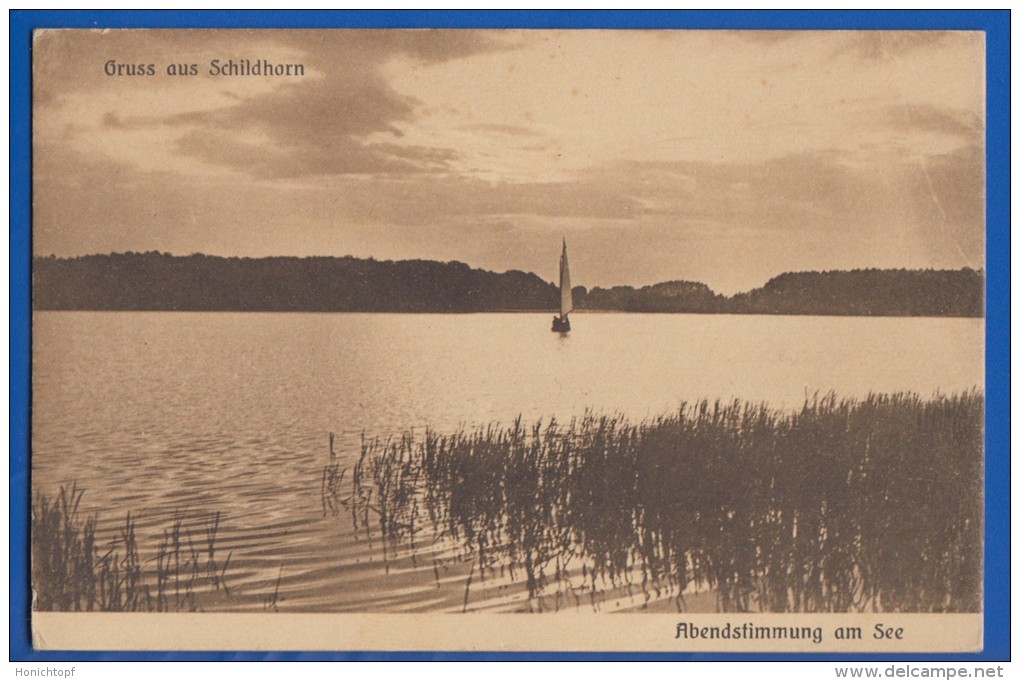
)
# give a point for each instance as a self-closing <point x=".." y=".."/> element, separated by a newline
<point x="547" y="312"/>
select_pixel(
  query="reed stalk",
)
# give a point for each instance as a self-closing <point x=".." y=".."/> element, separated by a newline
<point x="71" y="571"/>
<point x="843" y="505"/>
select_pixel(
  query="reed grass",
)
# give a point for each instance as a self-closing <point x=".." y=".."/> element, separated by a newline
<point x="72" y="571"/>
<point x="843" y="505"/>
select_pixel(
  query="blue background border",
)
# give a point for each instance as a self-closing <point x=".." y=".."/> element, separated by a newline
<point x="997" y="516"/>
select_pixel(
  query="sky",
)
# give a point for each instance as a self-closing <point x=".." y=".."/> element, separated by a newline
<point x="725" y="157"/>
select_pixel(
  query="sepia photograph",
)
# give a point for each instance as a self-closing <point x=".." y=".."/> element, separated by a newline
<point x="463" y="339"/>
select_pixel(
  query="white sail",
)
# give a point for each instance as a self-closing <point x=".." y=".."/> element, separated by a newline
<point x="566" y="295"/>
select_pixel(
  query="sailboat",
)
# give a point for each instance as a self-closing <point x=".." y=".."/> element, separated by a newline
<point x="561" y="323"/>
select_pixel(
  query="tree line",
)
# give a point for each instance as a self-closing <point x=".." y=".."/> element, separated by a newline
<point x="160" y="281"/>
<point x="864" y="292"/>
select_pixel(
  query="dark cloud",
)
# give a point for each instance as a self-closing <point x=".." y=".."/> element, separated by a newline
<point x="320" y="126"/>
<point x="371" y="45"/>
<point x="112" y="120"/>
<point x="879" y="45"/>
<point x="500" y="129"/>
<point x="339" y="156"/>
<point x="316" y="125"/>
<point x="317" y="128"/>
<point x="931" y="118"/>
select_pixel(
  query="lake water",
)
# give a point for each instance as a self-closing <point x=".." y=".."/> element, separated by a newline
<point x="196" y="413"/>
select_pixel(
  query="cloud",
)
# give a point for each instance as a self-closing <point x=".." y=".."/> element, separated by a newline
<point x="325" y="126"/>
<point x="882" y="45"/>
<point x="342" y="117"/>
<point x="928" y="117"/>
<point x="315" y="129"/>
<point x="502" y="129"/>
<point x="788" y="191"/>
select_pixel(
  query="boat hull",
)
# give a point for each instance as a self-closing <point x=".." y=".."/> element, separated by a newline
<point x="561" y="324"/>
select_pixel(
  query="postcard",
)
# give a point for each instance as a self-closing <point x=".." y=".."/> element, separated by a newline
<point x="508" y="340"/>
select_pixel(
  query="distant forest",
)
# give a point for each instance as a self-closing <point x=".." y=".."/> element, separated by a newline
<point x="159" y="281"/>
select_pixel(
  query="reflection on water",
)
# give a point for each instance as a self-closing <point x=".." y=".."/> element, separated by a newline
<point x="194" y="413"/>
